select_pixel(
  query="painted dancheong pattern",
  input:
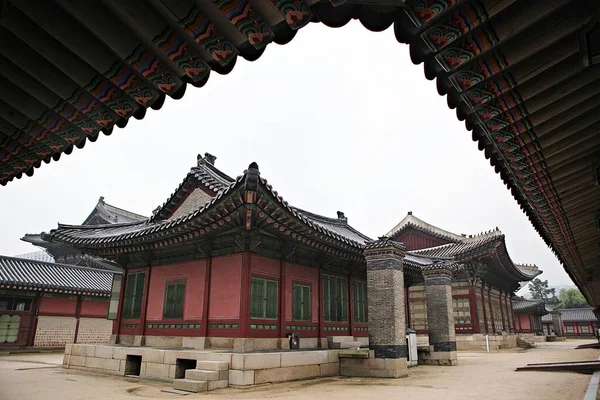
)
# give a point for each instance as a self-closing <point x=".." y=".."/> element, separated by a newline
<point x="250" y="24"/>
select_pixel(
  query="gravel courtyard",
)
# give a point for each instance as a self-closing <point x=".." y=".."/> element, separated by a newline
<point x="478" y="375"/>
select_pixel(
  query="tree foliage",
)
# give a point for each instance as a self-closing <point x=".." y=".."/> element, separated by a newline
<point x="539" y="290"/>
<point x="571" y="298"/>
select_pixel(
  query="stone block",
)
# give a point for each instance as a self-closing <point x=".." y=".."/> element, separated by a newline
<point x="323" y="343"/>
<point x="241" y="378"/>
<point x="153" y="356"/>
<point x="122" y="366"/>
<point x="222" y="357"/>
<point x="368" y="363"/>
<point x="163" y="341"/>
<point x="286" y="374"/>
<point x="120" y="353"/>
<point x="87" y="350"/>
<point x="360" y="353"/>
<point x="114" y="339"/>
<point x="373" y="373"/>
<point x="68" y="348"/>
<point x="296" y="358"/>
<point x="329" y="369"/>
<point x="156" y="370"/>
<point x="126" y="340"/>
<point x="332" y="356"/>
<point x="255" y="361"/>
<point x="172" y="370"/>
<point x="77" y="361"/>
<point x="212" y="365"/>
<point x="220" y="384"/>
<point x="102" y="363"/>
<point x="104" y="352"/>
<point x="190" y="385"/>
<point x="220" y="343"/>
<point x="338" y="339"/>
<point x="243" y="345"/>
<point x="202" y="375"/>
<point x="198" y="343"/>
<point x="364" y="341"/>
<point x="138" y="340"/>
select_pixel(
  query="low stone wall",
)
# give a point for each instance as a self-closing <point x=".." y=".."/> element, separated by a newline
<point x="94" y="330"/>
<point x="244" y="369"/>
<point x="476" y="342"/>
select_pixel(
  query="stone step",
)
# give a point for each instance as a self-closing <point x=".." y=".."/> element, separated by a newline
<point x="339" y="339"/>
<point x="212" y="365"/>
<point x="220" y="384"/>
<point x="190" y="385"/>
<point x="345" y="345"/>
<point x="206" y="375"/>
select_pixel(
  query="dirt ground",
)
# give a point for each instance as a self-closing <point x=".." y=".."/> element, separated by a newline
<point x="478" y="375"/>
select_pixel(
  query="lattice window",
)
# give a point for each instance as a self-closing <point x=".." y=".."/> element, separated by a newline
<point x="265" y="296"/>
<point x="174" y="297"/>
<point x="335" y="299"/>
<point x="134" y="291"/>
<point x="360" y="302"/>
<point x="462" y="311"/>
<point x="302" y="303"/>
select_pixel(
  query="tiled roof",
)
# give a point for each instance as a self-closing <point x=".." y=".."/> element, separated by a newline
<point x="38" y="275"/>
<point x="81" y="236"/>
<point x="574" y="315"/>
<point x="41" y="255"/>
<point x="384" y="241"/>
<point x="205" y="175"/>
<point x="105" y="213"/>
<point x="464" y="247"/>
<point x="410" y="221"/>
<point x="526" y="306"/>
<point x="531" y="270"/>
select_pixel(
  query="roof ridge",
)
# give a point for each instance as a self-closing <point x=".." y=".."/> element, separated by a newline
<point x="68" y="266"/>
<point x="127" y="211"/>
<point x="411" y="220"/>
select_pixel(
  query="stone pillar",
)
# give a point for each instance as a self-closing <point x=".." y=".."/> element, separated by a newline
<point x="386" y="304"/>
<point x="440" y="315"/>
<point x="557" y="325"/>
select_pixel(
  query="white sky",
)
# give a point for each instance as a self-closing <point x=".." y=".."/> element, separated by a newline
<point x="338" y="119"/>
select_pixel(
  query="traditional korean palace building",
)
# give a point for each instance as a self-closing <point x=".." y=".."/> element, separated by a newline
<point x="576" y="322"/>
<point x="46" y="305"/>
<point x="528" y="315"/>
<point x="224" y="260"/>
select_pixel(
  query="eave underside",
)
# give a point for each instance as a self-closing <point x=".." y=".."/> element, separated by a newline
<point x="514" y="70"/>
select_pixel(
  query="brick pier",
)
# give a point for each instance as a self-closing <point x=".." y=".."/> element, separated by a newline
<point x="440" y="316"/>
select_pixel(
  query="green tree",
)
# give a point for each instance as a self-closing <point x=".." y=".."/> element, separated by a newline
<point x="539" y="290"/>
<point x="571" y="298"/>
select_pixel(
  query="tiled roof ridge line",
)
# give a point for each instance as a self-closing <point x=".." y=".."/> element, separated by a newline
<point x="412" y="221"/>
<point x="67" y="266"/>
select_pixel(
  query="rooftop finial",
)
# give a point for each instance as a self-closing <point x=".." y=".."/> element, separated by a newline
<point x="101" y="199"/>
<point x="210" y="158"/>
<point x="253" y="165"/>
<point x="341" y="215"/>
<point x="410" y="213"/>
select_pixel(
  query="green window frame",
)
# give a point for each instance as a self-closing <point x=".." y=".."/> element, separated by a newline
<point x="301" y="297"/>
<point x="361" y="310"/>
<point x="264" y="298"/>
<point x="335" y="299"/>
<point x="174" y="298"/>
<point x="134" y="291"/>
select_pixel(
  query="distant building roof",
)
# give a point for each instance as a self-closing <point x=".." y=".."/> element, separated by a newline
<point x="574" y="315"/>
<point x="18" y="273"/>
<point x="410" y="221"/>
<point x="104" y="213"/>
<point x="526" y="306"/>
<point x="40" y="255"/>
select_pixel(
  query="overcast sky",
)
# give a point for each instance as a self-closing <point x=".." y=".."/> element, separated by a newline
<point x="338" y="119"/>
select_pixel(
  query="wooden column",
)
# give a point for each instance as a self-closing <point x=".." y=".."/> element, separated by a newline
<point x="350" y="306"/>
<point x="491" y="310"/>
<point x="282" y="299"/>
<point x="475" y="328"/>
<point x="320" y="308"/>
<point x="407" y="307"/>
<point x="206" y="300"/>
<point x="148" y="271"/>
<point x="245" y="295"/>
<point x="35" y="306"/>
<point x="502" y="311"/>
<point x="483" y="306"/>
<point x="117" y="327"/>
<point x="77" y="315"/>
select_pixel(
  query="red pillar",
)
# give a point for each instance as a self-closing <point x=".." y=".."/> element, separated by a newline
<point x="483" y="306"/>
<point x="245" y="295"/>
<point x="35" y="305"/>
<point x="350" y="306"/>
<point x="491" y="310"/>
<point x="206" y="301"/>
<point x="320" y="306"/>
<point x="475" y="328"/>
<point x="77" y="315"/>
<point x="117" y="323"/>
<point x="145" y="301"/>
<point x="282" y="298"/>
<point x="502" y="311"/>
